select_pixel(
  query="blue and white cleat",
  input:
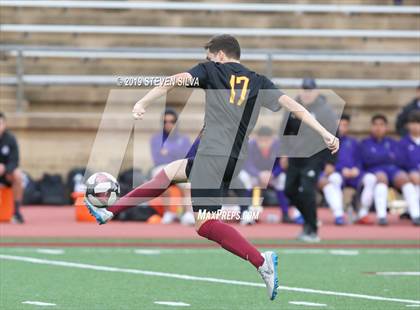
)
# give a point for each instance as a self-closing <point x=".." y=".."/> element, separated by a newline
<point x="268" y="272"/>
<point x="101" y="215"/>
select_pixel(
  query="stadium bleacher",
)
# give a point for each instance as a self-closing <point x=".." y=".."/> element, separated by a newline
<point x="365" y="51"/>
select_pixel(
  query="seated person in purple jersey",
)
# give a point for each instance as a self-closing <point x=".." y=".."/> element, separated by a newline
<point x="409" y="154"/>
<point x="347" y="172"/>
<point x="168" y="146"/>
<point x="379" y="156"/>
<point x="262" y="167"/>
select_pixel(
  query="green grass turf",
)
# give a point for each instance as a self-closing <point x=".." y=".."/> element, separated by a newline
<point x="195" y="241"/>
<point x="72" y="288"/>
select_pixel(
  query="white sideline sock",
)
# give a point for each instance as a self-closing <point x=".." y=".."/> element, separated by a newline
<point x="366" y="197"/>
<point x="410" y="195"/>
<point x="334" y="198"/>
<point x="381" y="197"/>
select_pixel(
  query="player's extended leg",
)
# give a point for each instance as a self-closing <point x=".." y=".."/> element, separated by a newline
<point x="211" y="177"/>
<point x="401" y="181"/>
<point x="231" y="240"/>
<point x="173" y="172"/>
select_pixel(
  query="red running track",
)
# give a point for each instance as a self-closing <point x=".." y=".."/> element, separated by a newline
<point x="59" y="222"/>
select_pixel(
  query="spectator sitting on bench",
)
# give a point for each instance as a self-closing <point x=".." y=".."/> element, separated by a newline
<point x="168" y="146"/>
<point x="10" y="175"/>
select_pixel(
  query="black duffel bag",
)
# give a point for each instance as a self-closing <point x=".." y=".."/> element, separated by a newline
<point x="52" y="190"/>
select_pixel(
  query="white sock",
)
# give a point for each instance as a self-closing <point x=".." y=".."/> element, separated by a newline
<point x="381" y="197"/>
<point x="336" y="179"/>
<point x="334" y="198"/>
<point x="410" y="195"/>
<point x="366" y="197"/>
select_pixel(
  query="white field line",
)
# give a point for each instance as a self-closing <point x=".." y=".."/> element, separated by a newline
<point x="344" y="252"/>
<point x="156" y="251"/>
<point x="304" y="303"/>
<point x="51" y="251"/>
<point x="195" y="278"/>
<point x="38" y="303"/>
<point x="398" y="273"/>
<point x="148" y="251"/>
<point x="172" y="303"/>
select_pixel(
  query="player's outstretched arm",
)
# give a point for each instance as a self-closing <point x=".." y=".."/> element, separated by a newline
<point x="296" y="108"/>
<point x="159" y="91"/>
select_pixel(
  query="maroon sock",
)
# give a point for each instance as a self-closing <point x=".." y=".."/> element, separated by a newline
<point x="231" y="240"/>
<point x="145" y="192"/>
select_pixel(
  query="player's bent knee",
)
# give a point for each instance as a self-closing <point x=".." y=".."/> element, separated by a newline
<point x="176" y="170"/>
<point x="414" y="177"/>
<point x="401" y="179"/>
<point x="336" y="179"/>
<point x="17" y="175"/>
<point x="322" y="183"/>
<point x="369" y="179"/>
<point x="382" y="178"/>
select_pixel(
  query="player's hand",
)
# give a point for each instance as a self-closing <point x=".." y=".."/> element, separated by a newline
<point x="355" y="172"/>
<point x="346" y="173"/>
<point x="138" y="110"/>
<point x="332" y="142"/>
<point x="2" y="169"/>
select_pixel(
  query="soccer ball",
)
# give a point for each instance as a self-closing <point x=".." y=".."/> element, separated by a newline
<point x="102" y="190"/>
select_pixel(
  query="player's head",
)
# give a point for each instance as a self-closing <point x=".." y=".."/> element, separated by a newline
<point x="344" y="124"/>
<point x="264" y="137"/>
<point x="223" y="48"/>
<point x="169" y="119"/>
<point x="309" y="90"/>
<point x="379" y="126"/>
<point x="413" y="124"/>
<point x="2" y="123"/>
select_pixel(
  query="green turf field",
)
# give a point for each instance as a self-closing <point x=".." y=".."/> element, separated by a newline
<point x="134" y="278"/>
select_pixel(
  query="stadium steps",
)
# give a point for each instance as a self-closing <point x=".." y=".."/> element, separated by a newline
<point x="30" y="15"/>
<point x="330" y="69"/>
<point x="30" y="36"/>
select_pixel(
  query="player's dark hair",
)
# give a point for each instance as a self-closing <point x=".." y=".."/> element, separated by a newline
<point x="379" y="117"/>
<point x="264" y="131"/>
<point x="172" y="112"/>
<point x="414" y="117"/>
<point x="2" y="116"/>
<point x="226" y="43"/>
<point x="346" y="117"/>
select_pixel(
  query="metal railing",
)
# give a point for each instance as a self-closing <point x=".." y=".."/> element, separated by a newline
<point x="167" y="53"/>
<point x="219" y="7"/>
<point x="211" y="31"/>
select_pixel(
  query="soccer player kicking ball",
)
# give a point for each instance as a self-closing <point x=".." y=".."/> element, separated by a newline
<point x="231" y="112"/>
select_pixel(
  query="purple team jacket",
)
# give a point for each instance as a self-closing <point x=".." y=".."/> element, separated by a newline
<point x="256" y="162"/>
<point x="176" y="146"/>
<point x="376" y="154"/>
<point x="408" y="154"/>
<point x="348" y="154"/>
